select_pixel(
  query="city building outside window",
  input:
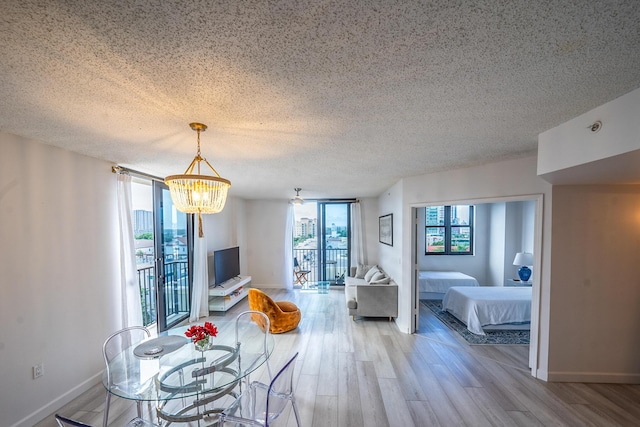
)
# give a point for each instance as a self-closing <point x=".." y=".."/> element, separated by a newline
<point x="449" y="230"/>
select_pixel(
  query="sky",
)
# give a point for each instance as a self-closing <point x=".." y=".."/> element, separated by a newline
<point x="336" y="214"/>
<point x="307" y="210"/>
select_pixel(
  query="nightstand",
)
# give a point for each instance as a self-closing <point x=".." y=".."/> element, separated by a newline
<point x="513" y="282"/>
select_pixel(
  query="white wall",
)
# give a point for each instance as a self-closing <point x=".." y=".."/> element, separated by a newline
<point x="528" y="225"/>
<point x="369" y="208"/>
<point x="521" y="223"/>
<point x="390" y="258"/>
<point x="222" y="230"/>
<point x="59" y="275"/>
<point x="572" y="143"/>
<point x="227" y="229"/>
<point x="496" y="249"/>
<point x="595" y="309"/>
<point x="266" y="221"/>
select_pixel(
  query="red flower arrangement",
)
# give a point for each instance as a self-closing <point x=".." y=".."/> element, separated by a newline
<point x="202" y="333"/>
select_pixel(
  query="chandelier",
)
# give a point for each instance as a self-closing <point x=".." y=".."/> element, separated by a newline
<point x="195" y="192"/>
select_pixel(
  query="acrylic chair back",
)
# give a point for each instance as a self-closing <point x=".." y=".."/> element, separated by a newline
<point x="115" y="344"/>
<point x="67" y="422"/>
<point x="121" y="340"/>
<point x="252" y="335"/>
<point x="280" y="391"/>
<point x="261" y="404"/>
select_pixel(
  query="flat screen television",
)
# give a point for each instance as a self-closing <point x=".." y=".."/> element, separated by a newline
<point x="226" y="264"/>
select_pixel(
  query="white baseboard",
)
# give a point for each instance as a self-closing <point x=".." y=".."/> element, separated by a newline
<point x="53" y="406"/>
<point x="594" y="377"/>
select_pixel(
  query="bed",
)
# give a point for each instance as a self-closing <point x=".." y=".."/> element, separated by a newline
<point x="483" y="307"/>
<point x="434" y="284"/>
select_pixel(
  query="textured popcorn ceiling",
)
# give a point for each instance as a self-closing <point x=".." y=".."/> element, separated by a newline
<point x="341" y="98"/>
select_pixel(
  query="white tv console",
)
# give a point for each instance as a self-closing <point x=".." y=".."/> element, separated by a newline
<point x="222" y="298"/>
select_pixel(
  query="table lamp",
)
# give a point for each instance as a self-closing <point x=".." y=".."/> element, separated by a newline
<point x="523" y="259"/>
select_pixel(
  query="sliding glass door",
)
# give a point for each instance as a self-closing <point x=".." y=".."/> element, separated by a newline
<point x="173" y="259"/>
<point x="322" y="240"/>
<point x="334" y="241"/>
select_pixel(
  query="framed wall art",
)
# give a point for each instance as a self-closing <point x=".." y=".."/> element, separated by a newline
<point x="385" y="229"/>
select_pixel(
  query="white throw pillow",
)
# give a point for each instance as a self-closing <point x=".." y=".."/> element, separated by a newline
<point x="361" y="270"/>
<point x="373" y="270"/>
<point x="378" y="276"/>
<point x="384" y="281"/>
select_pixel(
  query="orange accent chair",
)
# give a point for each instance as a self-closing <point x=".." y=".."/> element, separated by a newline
<point x="283" y="315"/>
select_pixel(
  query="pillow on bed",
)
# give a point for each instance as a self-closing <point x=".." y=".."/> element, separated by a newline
<point x="362" y="269"/>
<point x="380" y="279"/>
<point x="373" y="270"/>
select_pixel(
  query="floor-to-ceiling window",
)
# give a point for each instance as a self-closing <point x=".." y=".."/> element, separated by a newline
<point x="305" y="242"/>
<point x="335" y="245"/>
<point x="322" y="242"/>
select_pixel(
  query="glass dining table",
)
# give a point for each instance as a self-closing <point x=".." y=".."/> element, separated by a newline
<point x="168" y="371"/>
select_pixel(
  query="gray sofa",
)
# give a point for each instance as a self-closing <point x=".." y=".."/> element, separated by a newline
<point x="370" y="300"/>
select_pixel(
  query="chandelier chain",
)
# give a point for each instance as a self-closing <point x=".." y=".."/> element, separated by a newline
<point x="198" y="153"/>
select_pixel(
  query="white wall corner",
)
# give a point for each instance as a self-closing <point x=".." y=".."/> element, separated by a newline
<point x="573" y="143"/>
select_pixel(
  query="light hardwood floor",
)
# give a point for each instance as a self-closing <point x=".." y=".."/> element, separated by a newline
<point x="367" y="373"/>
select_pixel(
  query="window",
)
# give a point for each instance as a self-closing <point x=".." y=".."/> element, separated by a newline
<point x="449" y="230"/>
<point x="321" y="239"/>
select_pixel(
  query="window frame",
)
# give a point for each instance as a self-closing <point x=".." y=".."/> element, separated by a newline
<point x="447" y="226"/>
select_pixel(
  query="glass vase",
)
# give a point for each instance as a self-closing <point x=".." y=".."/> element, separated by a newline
<point x="204" y="344"/>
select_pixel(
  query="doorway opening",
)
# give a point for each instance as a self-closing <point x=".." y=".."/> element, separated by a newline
<point x="503" y="227"/>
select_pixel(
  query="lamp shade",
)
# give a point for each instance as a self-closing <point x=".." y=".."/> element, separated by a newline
<point x="196" y="194"/>
<point x="523" y="258"/>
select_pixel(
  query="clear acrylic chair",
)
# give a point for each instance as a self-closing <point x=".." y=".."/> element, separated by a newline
<point x="68" y="422"/>
<point x="252" y="333"/>
<point x="262" y="404"/>
<point x="114" y="345"/>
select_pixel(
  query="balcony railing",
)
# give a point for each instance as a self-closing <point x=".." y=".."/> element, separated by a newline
<point x="335" y="267"/>
<point x="176" y="290"/>
<point x="147" y="294"/>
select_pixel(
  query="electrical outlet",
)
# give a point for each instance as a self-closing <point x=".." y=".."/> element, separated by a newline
<point x="38" y="370"/>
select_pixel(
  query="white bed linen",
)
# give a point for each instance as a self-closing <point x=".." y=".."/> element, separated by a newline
<point x="488" y="305"/>
<point x="441" y="281"/>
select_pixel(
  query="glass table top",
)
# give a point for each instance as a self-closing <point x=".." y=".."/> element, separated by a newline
<point x="163" y="368"/>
